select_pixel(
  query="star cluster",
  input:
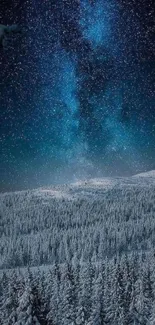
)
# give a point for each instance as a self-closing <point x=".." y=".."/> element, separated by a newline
<point x="76" y="91"/>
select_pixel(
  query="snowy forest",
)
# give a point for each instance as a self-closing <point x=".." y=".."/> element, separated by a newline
<point x="79" y="255"/>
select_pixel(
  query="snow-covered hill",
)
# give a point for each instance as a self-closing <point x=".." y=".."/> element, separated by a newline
<point x="37" y="225"/>
<point x="95" y="239"/>
<point x="147" y="174"/>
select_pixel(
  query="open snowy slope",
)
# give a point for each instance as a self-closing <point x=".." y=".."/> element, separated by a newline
<point x="98" y="217"/>
<point x="83" y="245"/>
<point x="147" y="174"/>
<point x="82" y="188"/>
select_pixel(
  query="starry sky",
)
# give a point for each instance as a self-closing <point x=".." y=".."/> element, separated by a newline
<point x="77" y="91"/>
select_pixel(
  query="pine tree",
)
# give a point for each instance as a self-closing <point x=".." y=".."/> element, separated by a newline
<point x="116" y="298"/>
<point x="69" y="299"/>
<point x="9" y="302"/>
<point x="97" y="316"/>
<point x="27" y="311"/>
<point x="43" y="310"/>
<point x="4" y="292"/>
<point x="85" y="293"/>
<point x="141" y="302"/>
<point x="53" y="296"/>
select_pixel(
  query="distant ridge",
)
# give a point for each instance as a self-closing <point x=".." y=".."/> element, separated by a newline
<point x="151" y="173"/>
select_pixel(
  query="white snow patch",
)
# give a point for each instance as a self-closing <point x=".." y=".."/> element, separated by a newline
<point x="59" y="194"/>
<point x="146" y="174"/>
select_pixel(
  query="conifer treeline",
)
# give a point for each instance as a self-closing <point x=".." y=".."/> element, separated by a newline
<point x="38" y="229"/>
<point x="97" y="251"/>
<point x="115" y="292"/>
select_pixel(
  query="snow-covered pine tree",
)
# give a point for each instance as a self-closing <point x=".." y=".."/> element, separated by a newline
<point x="115" y="308"/>
<point x="10" y="301"/>
<point x="83" y="310"/>
<point x="53" y="295"/>
<point x="27" y="313"/>
<point x="76" y="275"/>
<point x="97" y="316"/>
<point x="4" y="295"/>
<point x="142" y="305"/>
<point x="69" y="299"/>
<point x="128" y="287"/>
<point x="43" y="311"/>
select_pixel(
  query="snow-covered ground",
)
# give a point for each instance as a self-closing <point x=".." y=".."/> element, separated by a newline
<point x="84" y="188"/>
<point x="35" y="224"/>
<point x="147" y="174"/>
<point x="94" y="240"/>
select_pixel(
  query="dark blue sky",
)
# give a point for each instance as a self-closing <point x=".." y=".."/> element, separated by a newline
<point x="76" y="91"/>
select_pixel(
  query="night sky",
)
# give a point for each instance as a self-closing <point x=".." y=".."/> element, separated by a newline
<point x="77" y="91"/>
